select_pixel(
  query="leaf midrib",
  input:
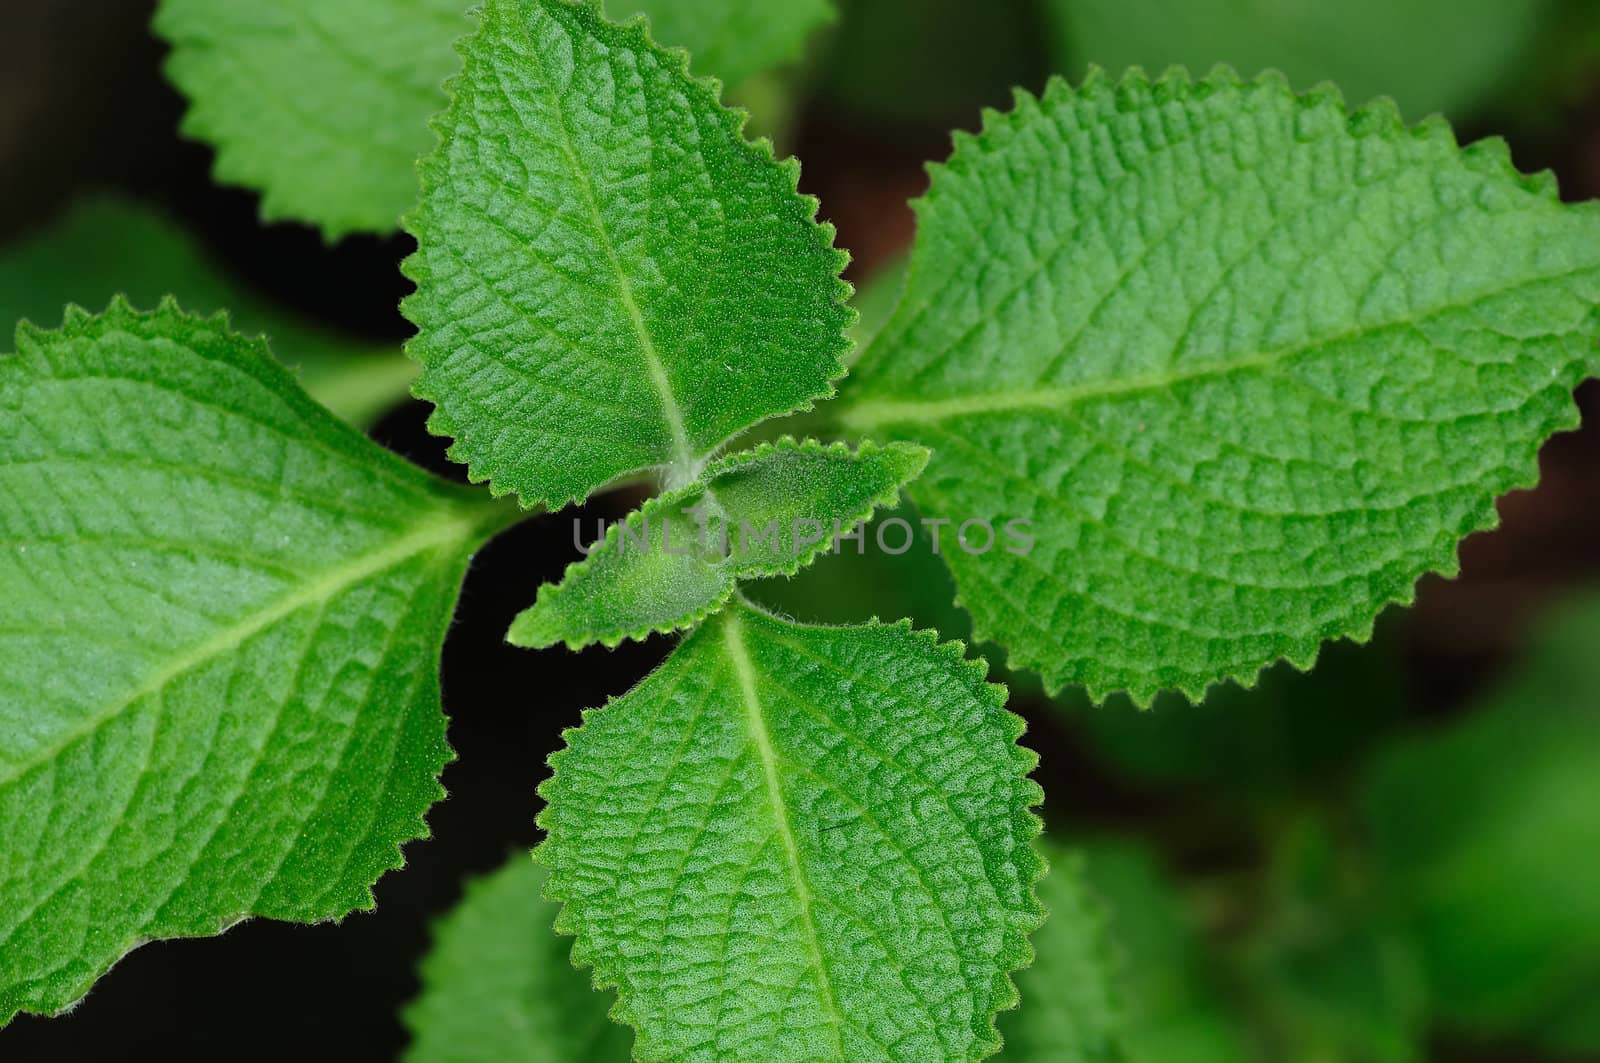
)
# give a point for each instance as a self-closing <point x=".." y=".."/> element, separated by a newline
<point x="454" y="527"/>
<point x="755" y="719"/>
<point x="877" y="413"/>
<point x="683" y="456"/>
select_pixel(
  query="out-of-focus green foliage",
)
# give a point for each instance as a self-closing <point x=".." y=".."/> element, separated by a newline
<point x="1069" y="1011"/>
<point x="1487" y="832"/>
<point x="1368" y="48"/>
<point x="323" y="107"/>
<point x="1324" y="973"/>
<point x="104" y="247"/>
<point x="1169" y="996"/>
<point x="499" y="985"/>
<point x="930" y="62"/>
<point x="1285" y="732"/>
<point x="875" y="300"/>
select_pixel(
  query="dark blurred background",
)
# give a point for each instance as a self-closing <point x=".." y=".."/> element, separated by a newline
<point x="84" y="108"/>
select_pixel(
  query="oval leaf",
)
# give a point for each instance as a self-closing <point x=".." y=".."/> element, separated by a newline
<point x="800" y="843"/>
<point x="1251" y="365"/>
<point x="609" y="277"/>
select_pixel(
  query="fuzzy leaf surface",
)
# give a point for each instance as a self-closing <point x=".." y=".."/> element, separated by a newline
<point x="1368" y="48"/>
<point x="1250" y="363"/>
<point x="1069" y="1012"/>
<point x="609" y="277"/>
<point x="324" y="107"/>
<point x="764" y="512"/>
<point x="103" y="247"/>
<point x="219" y="691"/>
<point x="799" y="843"/>
<point x="499" y="983"/>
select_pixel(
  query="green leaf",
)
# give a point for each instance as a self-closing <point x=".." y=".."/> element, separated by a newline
<point x="1172" y="1010"/>
<point x="764" y="512"/>
<point x="1430" y="55"/>
<point x="799" y="843"/>
<point x="323" y="107"/>
<point x="732" y="40"/>
<point x="1485" y="831"/>
<point x="498" y="984"/>
<point x="1069" y="1012"/>
<point x="1344" y="992"/>
<point x="1320" y="967"/>
<point x="219" y="690"/>
<point x="1250" y="363"/>
<point x="876" y="300"/>
<point x="103" y="247"/>
<point x="609" y="278"/>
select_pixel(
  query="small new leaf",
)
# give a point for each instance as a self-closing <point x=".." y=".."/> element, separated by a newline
<point x="609" y="277"/>
<point x="764" y="512"/>
<point x="499" y="983"/>
<point x="1250" y="363"/>
<point x="219" y="691"/>
<point x="799" y="843"/>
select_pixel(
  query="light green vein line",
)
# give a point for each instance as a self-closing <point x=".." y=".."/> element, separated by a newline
<point x="733" y="636"/>
<point x="682" y="452"/>
<point x="877" y="412"/>
<point x="455" y="527"/>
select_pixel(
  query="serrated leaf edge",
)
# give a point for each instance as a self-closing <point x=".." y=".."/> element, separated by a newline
<point x="202" y="123"/>
<point x="1017" y="953"/>
<point x="79" y="323"/>
<point x="412" y="268"/>
<point x="1490" y="156"/>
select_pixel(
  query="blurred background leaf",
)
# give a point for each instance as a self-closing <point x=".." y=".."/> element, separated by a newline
<point x="1070" y="1010"/>
<point x="1174" y="1011"/>
<point x="1487" y="834"/>
<point x="1448" y="56"/>
<point x="107" y="246"/>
